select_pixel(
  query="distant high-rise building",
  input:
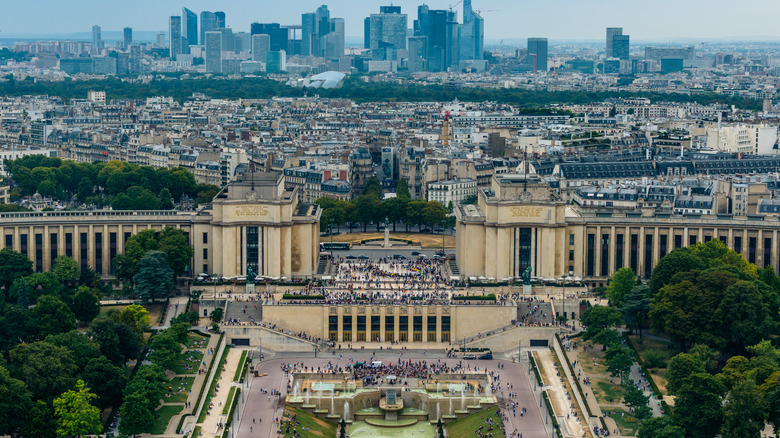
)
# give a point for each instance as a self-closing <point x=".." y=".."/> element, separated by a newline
<point x="387" y="28"/>
<point x="611" y="32"/>
<point x="174" y="37"/>
<point x="228" y="39"/>
<point x="537" y="49"/>
<point x="441" y="29"/>
<point x="334" y="40"/>
<point x="276" y="61"/>
<point x="208" y="23"/>
<point x="620" y="46"/>
<point x="128" y="33"/>
<point x="279" y="35"/>
<point x="243" y="42"/>
<point x="418" y="54"/>
<point x="135" y="59"/>
<point x="309" y="34"/>
<point x="189" y="27"/>
<point x="213" y="45"/>
<point x="471" y="34"/>
<point x="261" y="45"/>
<point x="231" y="66"/>
<point x="160" y="39"/>
<point x="220" y="17"/>
<point x="97" y="41"/>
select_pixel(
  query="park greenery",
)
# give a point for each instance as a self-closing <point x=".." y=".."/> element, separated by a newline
<point x="120" y="185"/>
<point x="370" y="208"/>
<point x="722" y="313"/>
<point x="355" y="88"/>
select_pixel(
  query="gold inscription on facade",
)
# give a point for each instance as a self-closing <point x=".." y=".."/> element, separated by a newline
<point x="530" y="212"/>
<point x="252" y="210"/>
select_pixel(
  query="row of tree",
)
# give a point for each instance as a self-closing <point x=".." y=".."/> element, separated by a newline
<point x="723" y="313"/>
<point x="123" y="186"/>
<point x="370" y="208"/>
<point x="354" y="88"/>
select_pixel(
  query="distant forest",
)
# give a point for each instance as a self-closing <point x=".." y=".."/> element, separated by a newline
<point x="354" y="88"/>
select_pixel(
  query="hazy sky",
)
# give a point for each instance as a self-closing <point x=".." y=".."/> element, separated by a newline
<point x="555" y="19"/>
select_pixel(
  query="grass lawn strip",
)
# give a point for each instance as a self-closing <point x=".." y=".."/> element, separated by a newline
<point x="164" y="415"/>
<point x="241" y="364"/>
<point x="226" y="406"/>
<point x="466" y="426"/>
<point x="195" y="341"/>
<point x="315" y="426"/>
<point x="627" y="424"/>
<point x="191" y="362"/>
<point x="179" y="389"/>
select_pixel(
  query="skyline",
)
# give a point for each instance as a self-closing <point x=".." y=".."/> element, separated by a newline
<point x="721" y="20"/>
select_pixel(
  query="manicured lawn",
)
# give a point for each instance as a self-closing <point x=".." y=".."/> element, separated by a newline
<point x="192" y="360"/>
<point x="229" y="400"/>
<point x="180" y="389"/>
<point x="607" y="393"/>
<point x="240" y="368"/>
<point x="195" y="341"/>
<point x="164" y="417"/>
<point x="466" y="426"/>
<point x="316" y="427"/>
<point x="626" y="423"/>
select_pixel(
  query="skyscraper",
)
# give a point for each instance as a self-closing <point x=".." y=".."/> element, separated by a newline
<point x="174" y="37"/>
<point x="620" y="46"/>
<point x="309" y="34"/>
<point x="189" y="23"/>
<point x="279" y="35"/>
<point x="611" y="32"/>
<point x="220" y="17"/>
<point x="208" y="23"/>
<point x="387" y="29"/>
<point x="213" y="59"/>
<point x="128" y="33"/>
<point x="334" y="40"/>
<point x="97" y="41"/>
<point x="261" y="45"/>
<point x="441" y="29"/>
<point x="276" y="61"/>
<point x="418" y="54"/>
<point x="471" y="34"/>
<point x="537" y="49"/>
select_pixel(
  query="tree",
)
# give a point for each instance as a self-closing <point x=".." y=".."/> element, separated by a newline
<point x="599" y="318"/>
<point x="743" y="411"/>
<point x="749" y="318"/>
<point x="103" y="331"/>
<point x="19" y="289"/>
<point x="122" y="202"/>
<point x="75" y="415"/>
<point x="173" y="242"/>
<point x="698" y="406"/>
<point x="679" y="260"/>
<point x="394" y="209"/>
<point x="635" y="308"/>
<point x="373" y="188"/>
<point x="40" y="421"/>
<point x="402" y="189"/>
<point x="83" y="348"/>
<point x="607" y="338"/>
<point x="106" y="379"/>
<point x="415" y="212"/>
<point x="773" y="408"/>
<point x="52" y="316"/>
<point x="434" y="213"/>
<point x="66" y="269"/>
<point x="43" y="283"/>
<point x="470" y="199"/>
<point x="680" y="368"/>
<point x="135" y="248"/>
<point x="15" y="402"/>
<point x="367" y="207"/>
<point x="137" y="416"/>
<point x="13" y="265"/>
<point x="216" y="315"/>
<point x="155" y="277"/>
<point x="47" y="370"/>
<point x="135" y="316"/>
<point x="86" y="305"/>
<point x="166" y="201"/>
<point x="620" y="286"/>
<point x="660" y="427"/>
<point x="636" y="399"/>
<point x="619" y="362"/>
<point x="165" y="350"/>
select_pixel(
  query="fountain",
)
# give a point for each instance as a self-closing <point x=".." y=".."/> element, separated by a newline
<point x="346" y="411"/>
<point x="489" y="390"/>
<point x="476" y="397"/>
<point x="438" y="412"/>
<point x="307" y="397"/>
<point x="296" y="389"/>
<point x="463" y="399"/>
<point x="438" y="388"/>
<point x="332" y="406"/>
<point x="450" y="406"/>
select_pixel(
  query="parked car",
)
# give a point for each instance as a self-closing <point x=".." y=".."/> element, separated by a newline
<point x="469" y="356"/>
<point x="415" y="253"/>
<point x="440" y="253"/>
<point x="350" y="257"/>
<point x="438" y="230"/>
<point x="363" y="257"/>
<point x="486" y="356"/>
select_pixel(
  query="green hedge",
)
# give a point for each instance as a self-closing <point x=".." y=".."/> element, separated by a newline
<point x="302" y="297"/>
<point x="217" y="374"/>
<point x="489" y="297"/>
<point x="241" y="365"/>
<point x="536" y="370"/>
<point x="551" y="412"/>
<point x="573" y="374"/>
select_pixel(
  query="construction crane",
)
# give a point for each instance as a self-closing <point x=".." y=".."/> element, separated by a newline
<point x="480" y="11"/>
<point x="446" y="129"/>
<point x="453" y="6"/>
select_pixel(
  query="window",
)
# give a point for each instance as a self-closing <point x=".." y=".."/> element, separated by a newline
<point x="571" y="239"/>
<point x="9" y="241"/>
<point x="38" y="252"/>
<point x="571" y="255"/>
<point x="52" y="249"/>
<point x="205" y="238"/>
<point x="591" y="255"/>
<point x="99" y="253"/>
<point x="205" y="253"/>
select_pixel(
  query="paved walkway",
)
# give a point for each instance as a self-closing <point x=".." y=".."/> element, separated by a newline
<point x="209" y="426"/>
<point x="176" y="306"/>
<point x="563" y="405"/>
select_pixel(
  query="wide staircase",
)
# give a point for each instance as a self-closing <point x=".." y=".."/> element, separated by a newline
<point x="534" y="312"/>
<point x="322" y="265"/>
<point x="454" y="269"/>
<point x="244" y="311"/>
